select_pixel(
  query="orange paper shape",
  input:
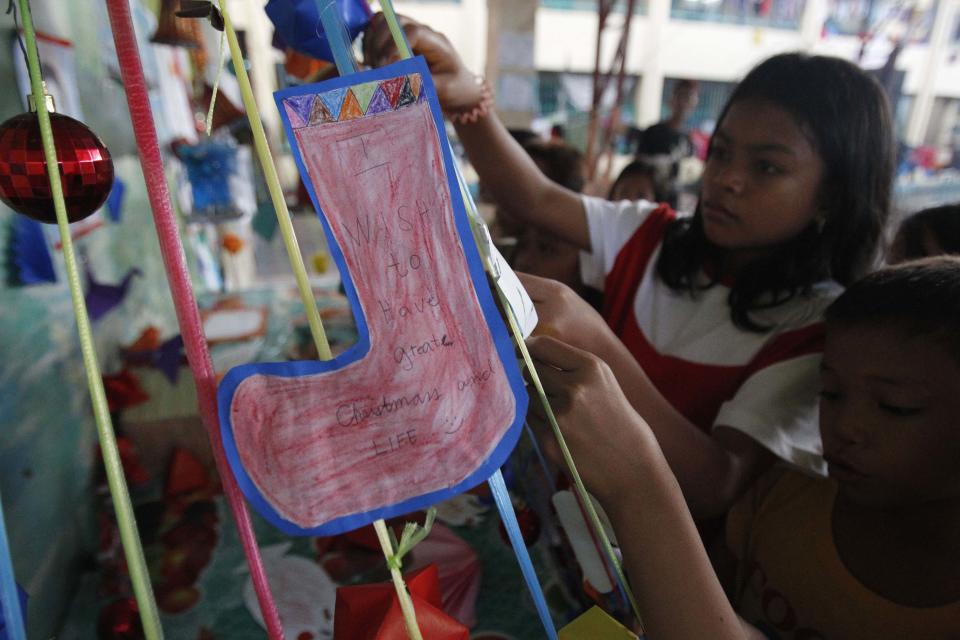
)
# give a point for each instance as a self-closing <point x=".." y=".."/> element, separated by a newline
<point x="372" y="611"/>
<point x="186" y="474"/>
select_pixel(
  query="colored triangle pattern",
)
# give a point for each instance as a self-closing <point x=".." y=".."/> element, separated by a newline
<point x="351" y="108"/>
<point x="416" y="82"/>
<point x="379" y="103"/>
<point x="298" y="109"/>
<point x="406" y="95"/>
<point x="363" y="93"/>
<point x="391" y="88"/>
<point x="333" y="99"/>
<point x="295" y="120"/>
<point x="320" y="113"/>
<point x="348" y="103"/>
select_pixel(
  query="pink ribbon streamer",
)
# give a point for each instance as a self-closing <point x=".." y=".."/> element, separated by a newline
<point x="184" y="301"/>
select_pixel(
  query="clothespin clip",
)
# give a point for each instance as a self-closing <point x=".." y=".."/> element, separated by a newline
<point x="201" y="9"/>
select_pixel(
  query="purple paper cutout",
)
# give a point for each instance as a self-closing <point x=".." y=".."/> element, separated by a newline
<point x="168" y="357"/>
<point x="103" y="298"/>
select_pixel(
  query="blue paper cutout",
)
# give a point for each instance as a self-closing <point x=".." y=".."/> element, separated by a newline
<point x="298" y="23"/>
<point x="31" y="260"/>
<point x="115" y="200"/>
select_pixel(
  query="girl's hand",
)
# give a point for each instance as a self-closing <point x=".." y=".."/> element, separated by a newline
<point x="565" y="315"/>
<point x="457" y="87"/>
<point x="621" y="463"/>
<point x="609" y="441"/>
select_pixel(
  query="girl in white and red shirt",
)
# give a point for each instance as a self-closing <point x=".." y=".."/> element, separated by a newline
<point x="711" y="323"/>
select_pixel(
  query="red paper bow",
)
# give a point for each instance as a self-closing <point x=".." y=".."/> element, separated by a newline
<point x="372" y="611"/>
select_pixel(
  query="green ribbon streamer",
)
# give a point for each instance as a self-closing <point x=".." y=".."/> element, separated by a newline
<point x="216" y="86"/>
<point x="581" y="491"/>
<point x="139" y="576"/>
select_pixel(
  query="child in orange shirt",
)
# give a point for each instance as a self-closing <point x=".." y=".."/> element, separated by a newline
<point x="872" y="551"/>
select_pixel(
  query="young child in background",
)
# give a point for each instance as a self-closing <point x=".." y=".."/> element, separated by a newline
<point x="711" y="324"/>
<point x="873" y="551"/>
<point x="931" y="232"/>
<point x="637" y="181"/>
<point x="664" y="145"/>
<point x="538" y="251"/>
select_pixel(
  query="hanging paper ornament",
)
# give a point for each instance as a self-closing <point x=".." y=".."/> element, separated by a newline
<point x="218" y="183"/>
<point x="86" y="170"/>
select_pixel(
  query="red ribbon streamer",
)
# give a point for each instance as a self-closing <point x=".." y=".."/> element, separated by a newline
<point x="188" y="316"/>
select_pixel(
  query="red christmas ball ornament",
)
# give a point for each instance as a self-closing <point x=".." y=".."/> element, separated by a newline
<point x="86" y="170"/>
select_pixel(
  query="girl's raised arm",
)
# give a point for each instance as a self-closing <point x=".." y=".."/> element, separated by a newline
<point x="505" y="169"/>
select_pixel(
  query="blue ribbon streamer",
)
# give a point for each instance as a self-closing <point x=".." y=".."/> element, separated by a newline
<point x="9" y="597"/>
<point x="336" y="33"/>
<point x="500" y="495"/>
<point x="337" y="36"/>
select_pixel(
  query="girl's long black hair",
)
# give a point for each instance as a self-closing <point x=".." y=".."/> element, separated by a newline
<point x="845" y="114"/>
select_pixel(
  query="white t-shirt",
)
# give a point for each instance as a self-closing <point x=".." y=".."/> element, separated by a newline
<point x="765" y="385"/>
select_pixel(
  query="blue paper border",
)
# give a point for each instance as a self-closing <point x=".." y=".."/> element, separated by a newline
<point x="499" y="333"/>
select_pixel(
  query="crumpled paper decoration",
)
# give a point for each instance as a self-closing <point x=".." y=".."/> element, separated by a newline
<point x="372" y="611"/>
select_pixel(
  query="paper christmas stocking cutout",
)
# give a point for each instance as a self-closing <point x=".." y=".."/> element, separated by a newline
<point x="430" y="401"/>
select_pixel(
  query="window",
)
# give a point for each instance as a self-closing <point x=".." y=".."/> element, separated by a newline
<point x="781" y="14"/>
<point x="620" y="6"/>
<point x="712" y="97"/>
<point x="890" y="17"/>
<point x="564" y="94"/>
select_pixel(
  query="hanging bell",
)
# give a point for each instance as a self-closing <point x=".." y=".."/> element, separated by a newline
<point x="176" y="31"/>
<point x="86" y="169"/>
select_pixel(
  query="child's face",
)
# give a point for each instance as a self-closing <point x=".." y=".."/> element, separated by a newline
<point x="634" y="186"/>
<point x="890" y="416"/>
<point x="543" y="254"/>
<point x="761" y="182"/>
